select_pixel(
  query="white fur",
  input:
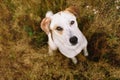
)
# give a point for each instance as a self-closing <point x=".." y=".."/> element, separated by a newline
<point x="49" y="13"/>
<point x="61" y="41"/>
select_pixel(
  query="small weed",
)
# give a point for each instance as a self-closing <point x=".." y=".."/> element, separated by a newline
<point x="29" y="30"/>
<point x="39" y="40"/>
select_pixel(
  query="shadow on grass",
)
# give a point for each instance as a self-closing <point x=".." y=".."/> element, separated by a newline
<point x="97" y="46"/>
<point x="99" y="50"/>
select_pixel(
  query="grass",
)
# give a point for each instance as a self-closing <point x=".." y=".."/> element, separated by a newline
<point x="23" y="45"/>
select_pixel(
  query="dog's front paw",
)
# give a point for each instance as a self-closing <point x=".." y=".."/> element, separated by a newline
<point x="85" y="51"/>
<point x="50" y="52"/>
<point x="86" y="54"/>
<point x="74" y="60"/>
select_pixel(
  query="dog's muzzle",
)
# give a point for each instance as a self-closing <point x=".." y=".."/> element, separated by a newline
<point x="73" y="40"/>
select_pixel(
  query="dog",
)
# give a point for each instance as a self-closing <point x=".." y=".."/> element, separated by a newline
<point x="64" y="34"/>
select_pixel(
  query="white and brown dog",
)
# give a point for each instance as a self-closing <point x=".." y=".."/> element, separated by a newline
<point x="64" y="34"/>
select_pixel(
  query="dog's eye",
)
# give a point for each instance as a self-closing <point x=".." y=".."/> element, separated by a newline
<point x="72" y="22"/>
<point x="59" y="28"/>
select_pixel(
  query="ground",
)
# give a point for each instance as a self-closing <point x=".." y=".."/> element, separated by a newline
<point x="24" y="49"/>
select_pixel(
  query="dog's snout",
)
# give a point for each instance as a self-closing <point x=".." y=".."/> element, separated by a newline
<point x="73" y="40"/>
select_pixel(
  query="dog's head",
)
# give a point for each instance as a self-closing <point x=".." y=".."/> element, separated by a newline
<point x="62" y="26"/>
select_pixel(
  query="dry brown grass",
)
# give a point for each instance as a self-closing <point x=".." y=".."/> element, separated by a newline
<point x="23" y="48"/>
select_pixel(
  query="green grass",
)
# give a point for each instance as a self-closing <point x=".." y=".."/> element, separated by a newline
<point x="23" y="45"/>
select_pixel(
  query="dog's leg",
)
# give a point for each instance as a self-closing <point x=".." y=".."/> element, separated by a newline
<point x="85" y="51"/>
<point x="74" y="60"/>
<point x="50" y="51"/>
<point x="51" y="44"/>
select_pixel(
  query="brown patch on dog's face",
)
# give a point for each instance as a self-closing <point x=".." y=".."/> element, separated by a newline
<point x="74" y="10"/>
<point x="58" y="29"/>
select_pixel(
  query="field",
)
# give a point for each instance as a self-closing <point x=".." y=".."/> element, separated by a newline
<point x="24" y="49"/>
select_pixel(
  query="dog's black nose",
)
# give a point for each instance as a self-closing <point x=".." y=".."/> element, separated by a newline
<point x="73" y="40"/>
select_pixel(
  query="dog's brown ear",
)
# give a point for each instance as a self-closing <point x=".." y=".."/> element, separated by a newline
<point x="45" y="25"/>
<point x="74" y="10"/>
